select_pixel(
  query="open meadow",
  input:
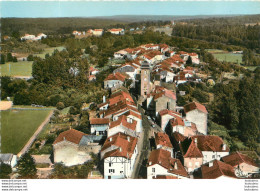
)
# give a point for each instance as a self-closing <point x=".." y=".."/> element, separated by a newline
<point x="49" y="51"/>
<point x="21" y="68"/>
<point x="17" y="126"/>
<point x="229" y="57"/>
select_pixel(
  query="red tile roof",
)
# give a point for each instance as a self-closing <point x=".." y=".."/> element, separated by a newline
<point x="217" y="170"/>
<point x="120" y="140"/>
<point x="163" y="158"/>
<point x="160" y="91"/>
<point x="177" y="121"/>
<point x="194" y="105"/>
<point x="152" y="54"/>
<point x="116" y="76"/>
<point x="119" y="96"/>
<point x="163" y="139"/>
<point x="237" y="158"/>
<point x="99" y="121"/>
<point x="169" y="112"/>
<point x="178" y="137"/>
<point x="204" y="143"/>
<point x="123" y="121"/>
<point x="165" y="177"/>
<point x="71" y="135"/>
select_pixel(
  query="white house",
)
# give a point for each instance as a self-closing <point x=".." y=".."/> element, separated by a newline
<point x="28" y="37"/>
<point x="97" y="32"/>
<point x="99" y="126"/>
<point x="119" y="154"/>
<point x="124" y="125"/>
<point x="114" y="81"/>
<point x="9" y="159"/>
<point x="161" y="163"/>
<point x="73" y="147"/>
<point x="118" y="31"/>
<point x="198" y="114"/>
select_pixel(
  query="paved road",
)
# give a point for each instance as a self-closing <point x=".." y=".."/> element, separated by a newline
<point x="144" y="150"/>
<point x="33" y="137"/>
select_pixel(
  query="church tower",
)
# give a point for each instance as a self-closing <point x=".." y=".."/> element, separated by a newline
<point x="145" y="79"/>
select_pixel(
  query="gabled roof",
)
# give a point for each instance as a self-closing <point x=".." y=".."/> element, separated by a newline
<point x="163" y="158"/>
<point x="237" y="158"/>
<point x="99" y="121"/>
<point x="120" y="140"/>
<point x="116" y="76"/>
<point x="178" y="137"/>
<point x="122" y="120"/>
<point x="71" y="135"/>
<point x="163" y="139"/>
<point x="218" y="169"/>
<point x="194" y="105"/>
<point x="169" y="112"/>
<point x="177" y="121"/>
<point x="204" y="143"/>
<point x="161" y="91"/>
<point x="119" y="96"/>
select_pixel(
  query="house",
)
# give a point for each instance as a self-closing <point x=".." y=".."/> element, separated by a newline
<point x="76" y="33"/>
<point x="198" y="114"/>
<point x="119" y="154"/>
<point x="114" y="80"/>
<point x="124" y="125"/>
<point x="150" y="46"/>
<point x="118" y="31"/>
<point x="162" y="141"/>
<point x="28" y="37"/>
<point x="160" y="163"/>
<point x="180" y="79"/>
<point x="9" y="159"/>
<point x="217" y="170"/>
<point x="41" y="36"/>
<point x="92" y="78"/>
<point x="165" y="116"/>
<point x="162" y="99"/>
<point x="153" y="57"/>
<point x="99" y="126"/>
<point x="93" y="71"/>
<point x="200" y="149"/>
<point x="242" y="164"/>
<point x="194" y="58"/>
<point x="186" y="128"/>
<point x="97" y="32"/>
<point x="129" y="69"/>
<point x="73" y="147"/>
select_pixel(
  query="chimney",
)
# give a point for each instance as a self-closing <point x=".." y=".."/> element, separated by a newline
<point x="104" y="99"/>
<point x="210" y="163"/>
<point x="128" y="138"/>
<point x="224" y="147"/>
<point x="196" y="141"/>
<point x="175" y="166"/>
<point x="110" y="139"/>
<point x="120" y="149"/>
<point x="150" y="163"/>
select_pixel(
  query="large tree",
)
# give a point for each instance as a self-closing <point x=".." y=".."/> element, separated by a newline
<point x="26" y="167"/>
<point x="5" y="171"/>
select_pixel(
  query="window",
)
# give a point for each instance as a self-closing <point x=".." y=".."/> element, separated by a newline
<point x="153" y="169"/>
<point x="213" y="156"/>
<point x="110" y="164"/>
<point x="121" y="172"/>
<point x="111" y="170"/>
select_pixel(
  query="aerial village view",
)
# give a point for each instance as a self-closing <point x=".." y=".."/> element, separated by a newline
<point x="150" y="97"/>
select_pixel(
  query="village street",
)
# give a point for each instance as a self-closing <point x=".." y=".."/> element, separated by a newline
<point x="143" y="145"/>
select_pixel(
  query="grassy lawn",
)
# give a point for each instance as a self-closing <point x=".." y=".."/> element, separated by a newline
<point x="21" y="68"/>
<point x="17" y="126"/>
<point x="229" y="57"/>
<point x="49" y="51"/>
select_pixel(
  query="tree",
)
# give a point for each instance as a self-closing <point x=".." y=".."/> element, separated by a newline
<point x="30" y="57"/>
<point x="15" y="59"/>
<point x="26" y="167"/>
<point x="2" y="59"/>
<point x="60" y="105"/>
<point x="5" y="170"/>
<point x="9" y="57"/>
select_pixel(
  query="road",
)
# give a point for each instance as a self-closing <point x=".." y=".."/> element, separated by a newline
<point x="144" y="148"/>
<point x="33" y="137"/>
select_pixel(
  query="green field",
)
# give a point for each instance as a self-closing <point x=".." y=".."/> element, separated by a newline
<point x="17" y="126"/>
<point x="49" y="51"/>
<point x="21" y="68"/>
<point x="229" y="57"/>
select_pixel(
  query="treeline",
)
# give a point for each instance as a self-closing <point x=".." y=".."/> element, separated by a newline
<point x="239" y="35"/>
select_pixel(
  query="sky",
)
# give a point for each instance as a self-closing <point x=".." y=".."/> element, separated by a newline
<point x="110" y="8"/>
